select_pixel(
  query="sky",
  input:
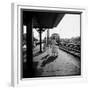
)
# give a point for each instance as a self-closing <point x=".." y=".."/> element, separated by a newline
<point x="68" y="27"/>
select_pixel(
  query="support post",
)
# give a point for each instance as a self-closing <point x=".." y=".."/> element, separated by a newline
<point x="47" y="37"/>
<point x="28" y="70"/>
<point x="40" y="33"/>
<point x="40" y="36"/>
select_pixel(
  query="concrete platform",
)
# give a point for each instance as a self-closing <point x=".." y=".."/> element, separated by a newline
<point x="64" y="64"/>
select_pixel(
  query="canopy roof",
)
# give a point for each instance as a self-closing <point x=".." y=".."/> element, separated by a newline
<point x="42" y="19"/>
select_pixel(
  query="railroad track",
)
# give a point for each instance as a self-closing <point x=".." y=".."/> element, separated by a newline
<point x="70" y="50"/>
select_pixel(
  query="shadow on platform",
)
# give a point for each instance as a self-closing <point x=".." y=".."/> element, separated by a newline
<point x="49" y="60"/>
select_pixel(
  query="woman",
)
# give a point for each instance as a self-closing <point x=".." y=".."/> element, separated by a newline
<point x="54" y="48"/>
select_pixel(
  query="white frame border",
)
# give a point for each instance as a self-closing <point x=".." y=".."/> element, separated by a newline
<point x="15" y="41"/>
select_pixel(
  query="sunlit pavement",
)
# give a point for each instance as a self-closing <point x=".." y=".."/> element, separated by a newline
<point x="64" y="64"/>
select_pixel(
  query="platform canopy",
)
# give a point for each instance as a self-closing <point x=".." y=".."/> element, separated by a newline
<point x="43" y="19"/>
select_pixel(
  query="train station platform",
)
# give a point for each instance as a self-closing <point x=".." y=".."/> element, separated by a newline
<point x="65" y="64"/>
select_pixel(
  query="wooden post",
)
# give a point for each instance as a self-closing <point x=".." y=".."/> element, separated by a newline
<point x="47" y="37"/>
<point x="28" y="70"/>
<point x="40" y="33"/>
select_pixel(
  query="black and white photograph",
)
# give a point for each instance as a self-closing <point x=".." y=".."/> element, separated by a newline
<point x="50" y="43"/>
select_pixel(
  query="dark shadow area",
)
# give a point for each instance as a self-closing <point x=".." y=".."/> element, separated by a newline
<point x="37" y="72"/>
<point x="34" y="72"/>
<point x="35" y="64"/>
<point x="49" y="60"/>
